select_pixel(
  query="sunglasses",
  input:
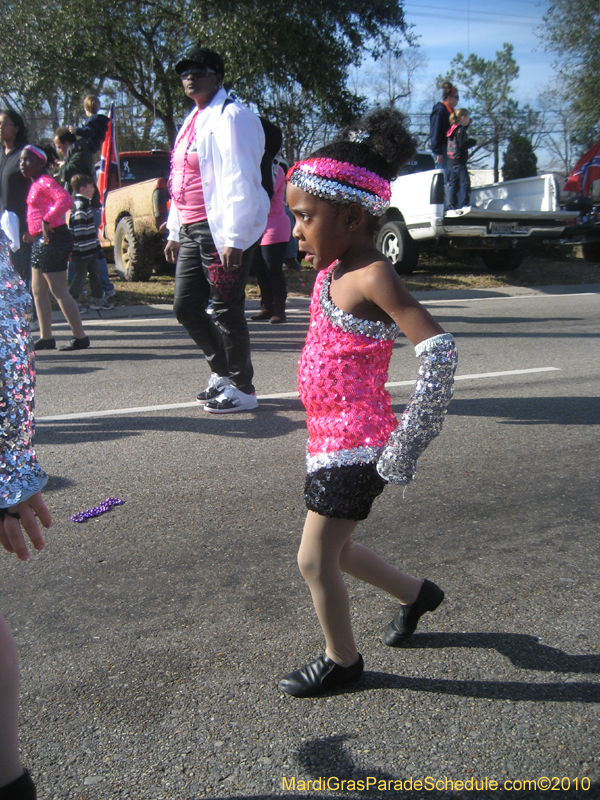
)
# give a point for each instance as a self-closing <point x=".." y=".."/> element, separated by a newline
<point x="197" y="72"/>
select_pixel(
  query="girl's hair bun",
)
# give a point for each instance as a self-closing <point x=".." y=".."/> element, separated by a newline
<point x="380" y="142"/>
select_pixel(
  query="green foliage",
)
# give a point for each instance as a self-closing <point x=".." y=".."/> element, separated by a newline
<point x="519" y="159"/>
<point x="572" y="30"/>
<point x="272" y="49"/>
<point x="487" y="90"/>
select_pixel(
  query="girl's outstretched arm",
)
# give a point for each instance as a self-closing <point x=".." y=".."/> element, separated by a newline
<point x="382" y="287"/>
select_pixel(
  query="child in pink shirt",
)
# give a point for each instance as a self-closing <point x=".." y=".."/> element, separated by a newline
<point x="47" y="204"/>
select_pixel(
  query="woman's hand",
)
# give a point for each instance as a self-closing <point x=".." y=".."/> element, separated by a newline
<point x="28" y="238"/>
<point x="171" y="251"/>
<point x="232" y="258"/>
<point x="45" y="232"/>
<point x="29" y="511"/>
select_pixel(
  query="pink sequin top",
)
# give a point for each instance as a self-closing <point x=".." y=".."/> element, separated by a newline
<point x="341" y="379"/>
<point x="47" y="201"/>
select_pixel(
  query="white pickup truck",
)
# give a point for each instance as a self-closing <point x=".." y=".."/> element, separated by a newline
<point x="501" y="219"/>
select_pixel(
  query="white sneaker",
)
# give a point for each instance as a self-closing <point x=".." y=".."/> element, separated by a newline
<point x="231" y="400"/>
<point x="100" y="304"/>
<point x="216" y="384"/>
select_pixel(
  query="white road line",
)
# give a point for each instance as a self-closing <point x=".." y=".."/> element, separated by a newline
<point x="539" y="296"/>
<point x="117" y="412"/>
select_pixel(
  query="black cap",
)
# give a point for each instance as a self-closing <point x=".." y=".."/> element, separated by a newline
<point x="201" y="57"/>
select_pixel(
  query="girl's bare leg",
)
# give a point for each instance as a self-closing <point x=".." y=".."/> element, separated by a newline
<point x="362" y="563"/>
<point x="39" y="288"/>
<point x="323" y="540"/>
<point x="10" y="761"/>
<point x="57" y="281"/>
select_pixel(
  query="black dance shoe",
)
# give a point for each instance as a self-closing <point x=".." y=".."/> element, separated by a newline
<point x="321" y="675"/>
<point x="45" y="344"/>
<point x="404" y="624"/>
<point x="77" y="344"/>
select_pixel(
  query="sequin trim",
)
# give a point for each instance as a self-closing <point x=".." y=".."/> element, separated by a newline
<point x="327" y="189"/>
<point x="348" y="322"/>
<point x="342" y="458"/>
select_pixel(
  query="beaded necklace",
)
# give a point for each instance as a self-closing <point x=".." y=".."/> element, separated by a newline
<point x="182" y="137"/>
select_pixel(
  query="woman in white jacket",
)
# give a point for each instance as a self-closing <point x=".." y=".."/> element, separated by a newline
<point x="218" y="214"/>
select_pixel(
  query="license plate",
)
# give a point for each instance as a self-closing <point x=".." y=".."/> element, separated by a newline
<point x="499" y="228"/>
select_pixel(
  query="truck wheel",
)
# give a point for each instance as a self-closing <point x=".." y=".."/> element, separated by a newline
<point x="591" y="252"/>
<point x="131" y="261"/>
<point x="397" y="244"/>
<point x="505" y="260"/>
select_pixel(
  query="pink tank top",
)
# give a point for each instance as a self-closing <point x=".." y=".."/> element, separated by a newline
<point x="341" y="379"/>
<point x="185" y="181"/>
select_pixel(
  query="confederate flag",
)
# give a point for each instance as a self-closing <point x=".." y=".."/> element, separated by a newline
<point x="585" y="172"/>
<point x="109" y="163"/>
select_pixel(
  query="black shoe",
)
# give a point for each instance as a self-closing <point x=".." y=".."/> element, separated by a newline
<point x="21" y="789"/>
<point x="404" y="624"/>
<point x="45" y="344"/>
<point x="321" y="675"/>
<point x="77" y="344"/>
<point x="216" y="384"/>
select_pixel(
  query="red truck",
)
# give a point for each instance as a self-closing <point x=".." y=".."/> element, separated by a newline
<point x="136" y="208"/>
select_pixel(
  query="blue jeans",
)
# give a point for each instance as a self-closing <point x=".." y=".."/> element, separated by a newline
<point x="459" y="186"/>
<point x="107" y="286"/>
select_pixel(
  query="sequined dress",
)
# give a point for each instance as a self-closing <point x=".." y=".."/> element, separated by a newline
<point x="341" y="380"/>
<point x="20" y="474"/>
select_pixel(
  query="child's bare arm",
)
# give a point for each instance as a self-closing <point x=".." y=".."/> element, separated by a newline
<point x="384" y="288"/>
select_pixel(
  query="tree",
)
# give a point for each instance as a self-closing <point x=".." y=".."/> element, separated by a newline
<point x="519" y="159"/>
<point x="488" y="90"/>
<point x="571" y="29"/>
<point x="391" y="79"/>
<point x="270" y="48"/>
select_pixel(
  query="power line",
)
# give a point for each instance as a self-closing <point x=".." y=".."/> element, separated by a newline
<point x="470" y="12"/>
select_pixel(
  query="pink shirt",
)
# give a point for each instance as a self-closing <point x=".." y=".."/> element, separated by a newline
<point x="341" y="380"/>
<point x="185" y="181"/>
<point x="279" y="226"/>
<point x="46" y="201"/>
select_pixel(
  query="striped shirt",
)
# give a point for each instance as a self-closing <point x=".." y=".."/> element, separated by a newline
<point x="81" y="223"/>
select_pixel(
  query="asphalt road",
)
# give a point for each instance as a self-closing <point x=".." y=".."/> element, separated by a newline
<point x="152" y="638"/>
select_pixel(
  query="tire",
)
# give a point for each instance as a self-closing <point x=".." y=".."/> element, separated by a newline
<point x="396" y="243"/>
<point x="591" y="252"/>
<point x="131" y="258"/>
<point x="506" y="260"/>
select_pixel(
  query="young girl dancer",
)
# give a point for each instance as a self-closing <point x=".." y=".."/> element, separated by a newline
<point x="47" y="204"/>
<point x="358" y="307"/>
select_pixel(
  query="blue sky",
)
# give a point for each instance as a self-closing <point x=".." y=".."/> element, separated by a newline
<point x="482" y="27"/>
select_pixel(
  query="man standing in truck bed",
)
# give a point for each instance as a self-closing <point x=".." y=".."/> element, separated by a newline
<point x="218" y="214"/>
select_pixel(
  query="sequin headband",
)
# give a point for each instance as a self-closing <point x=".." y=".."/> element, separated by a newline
<point x="37" y="151"/>
<point x="339" y="181"/>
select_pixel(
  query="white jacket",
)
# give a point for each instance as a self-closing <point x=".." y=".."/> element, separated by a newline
<point x="231" y="144"/>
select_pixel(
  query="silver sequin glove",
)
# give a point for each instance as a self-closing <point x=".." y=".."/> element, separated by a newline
<point x="423" y="416"/>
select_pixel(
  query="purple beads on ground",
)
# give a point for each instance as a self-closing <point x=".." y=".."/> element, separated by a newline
<point x="83" y="516"/>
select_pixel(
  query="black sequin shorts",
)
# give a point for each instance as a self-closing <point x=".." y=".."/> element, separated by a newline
<point x="52" y="257"/>
<point x="343" y="492"/>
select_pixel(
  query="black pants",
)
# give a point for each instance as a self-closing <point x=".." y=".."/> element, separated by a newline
<point x="199" y="276"/>
<point x="268" y="268"/>
<point x="82" y="268"/>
